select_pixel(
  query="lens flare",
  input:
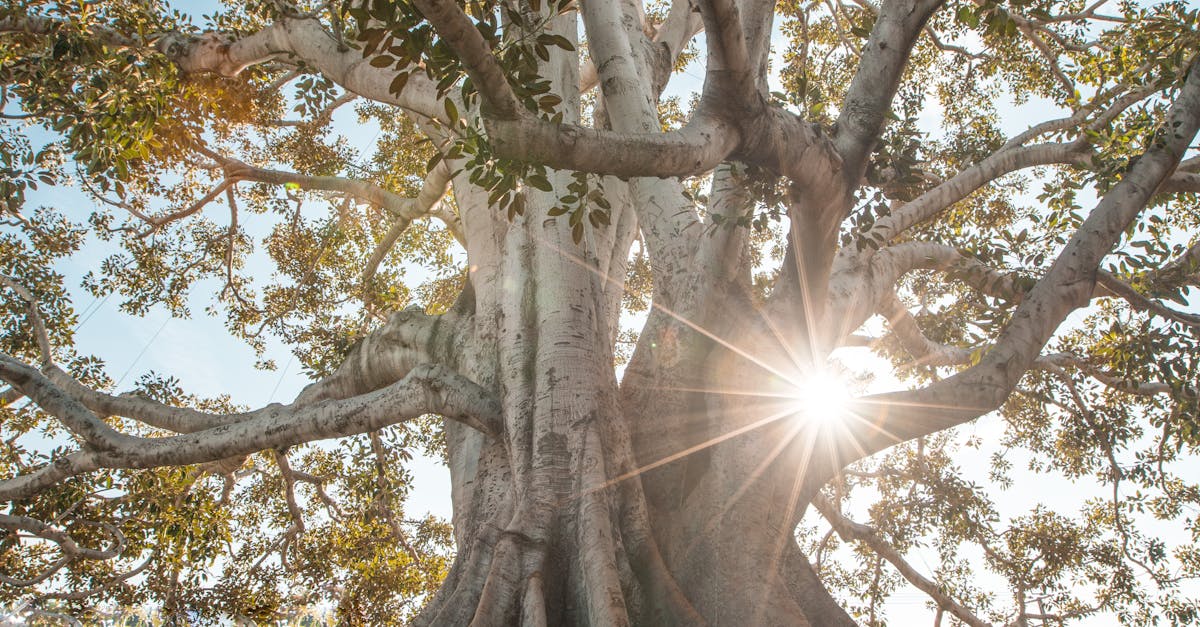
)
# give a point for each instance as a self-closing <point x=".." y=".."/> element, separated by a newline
<point x="822" y="397"/>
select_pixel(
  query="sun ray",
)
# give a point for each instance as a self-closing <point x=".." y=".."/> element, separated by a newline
<point x="768" y="459"/>
<point x="668" y="311"/>
<point x="685" y="452"/>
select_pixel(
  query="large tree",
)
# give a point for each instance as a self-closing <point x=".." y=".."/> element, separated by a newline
<point x="841" y="177"/>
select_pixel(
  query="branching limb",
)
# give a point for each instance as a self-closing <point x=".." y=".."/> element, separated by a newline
<point x="384" y="498"/>
<point x="408" y="338"/>
<point x="1137" y="388"/>
<point x="426" y="389"/>
<point x="861" y="294"/>
<point x="1120" y="104"/>
<point x="289" y="492"/>
<point x="426" y="203"/>
<point x="1030" y="31"/>
<point x="514" y="132"/>
<point x="936" y="200"/>
<point x="384" y="357"/>
<point x="1011" y="157"/>
<point x="926" y="351"/>
<point x="81" y="422"/>
<point x="666" y="218"/>
<point x="869" y="96"/>
<point x="398" y="206"/>
<point x="892" y="262"/>
<point x="109" y="584"/>
<point x="157" y="222"/>
<point x="849" y="530"/>
<point x="71" y="549"/>
<point x="1125" y="291"/>
<point x="1068" y="285"/>
<point x="305" y="39"/>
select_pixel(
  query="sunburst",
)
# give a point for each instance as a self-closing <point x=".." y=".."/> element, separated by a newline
<point x="822" y="397"/>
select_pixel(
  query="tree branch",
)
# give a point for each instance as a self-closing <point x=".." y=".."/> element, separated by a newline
<point x="869" y="96"/>
<point x="849" y="530"/>
<point x="426" y="389"/>
<point x="71" y="549"/>
<point x="1069" y="284"/>
<point x="307" y="40"/>
<point x="157" y="222"/>
<point x="57" y="403"/>
<point x="41" y="25"/>
<point x="1138" y="302"/>
<point x="426" y="203"/>
<point x="941" y="197"/>
<point x="926" y="351"/>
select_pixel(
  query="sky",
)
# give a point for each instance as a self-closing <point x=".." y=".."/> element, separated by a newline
<point x="200" y="352"/>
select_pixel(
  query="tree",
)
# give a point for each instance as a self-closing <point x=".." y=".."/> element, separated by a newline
<point x="759" y="231"/>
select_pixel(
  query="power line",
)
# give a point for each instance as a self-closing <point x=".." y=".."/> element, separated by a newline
<point x="144" y="349"/>
<point x="98" y="302"/>
<point x="281" y="375"/>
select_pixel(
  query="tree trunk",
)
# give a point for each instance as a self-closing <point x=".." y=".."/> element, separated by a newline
<point x="670" y="497"/>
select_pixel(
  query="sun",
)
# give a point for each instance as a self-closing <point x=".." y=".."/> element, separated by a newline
<point x="822" y="397"/>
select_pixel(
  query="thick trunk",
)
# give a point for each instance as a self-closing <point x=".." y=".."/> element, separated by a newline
<point x="671" y="496"/>
<point x="586" y="539"/>
<point x="667" y="498"/>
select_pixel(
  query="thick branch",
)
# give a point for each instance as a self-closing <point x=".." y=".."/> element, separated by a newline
<point x="55" y="401"/>
<point x="307" y="40"/>
<point x="875" y="83"/>
<point x="1182" y="182"/>
<point x="727" y="40"/>
<point x="476" y="55"/>
<point x="1069" y="284"/>
<point x="426" y="389"/>
<point x="939" y="198"/>
<point x="694" y="149"/>
<point x="893" y="262"/>
<point x="926" y="351"/>
<point x="858" y="294"/>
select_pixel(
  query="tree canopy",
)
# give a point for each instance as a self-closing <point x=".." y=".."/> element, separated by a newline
<point x="595" y="254"/>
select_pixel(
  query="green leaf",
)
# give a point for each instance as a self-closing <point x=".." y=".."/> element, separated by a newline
<point x="538" y="181"/>
<point x="550" y="39"/>
<point x="398" y="83"/>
